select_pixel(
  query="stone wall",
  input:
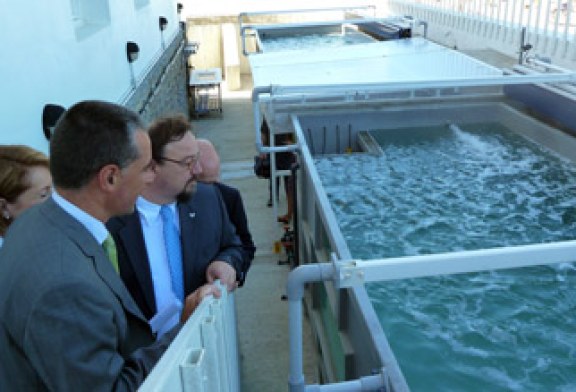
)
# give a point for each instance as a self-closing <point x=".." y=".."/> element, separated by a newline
<point x="163" y="91"/>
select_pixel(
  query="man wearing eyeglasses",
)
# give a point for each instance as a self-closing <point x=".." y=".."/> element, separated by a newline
<point x="180" y="236"/>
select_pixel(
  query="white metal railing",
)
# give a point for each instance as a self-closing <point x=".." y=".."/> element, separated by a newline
<point x="550" y="25"/>
<point x="350" y="273"/>
<point x="204" y="355"/>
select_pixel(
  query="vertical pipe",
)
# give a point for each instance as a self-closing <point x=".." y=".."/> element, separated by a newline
<point x="567" y="26"/>
<point x="273" y="174"/>
<point x="506" y="22"/>
<point x="337" y="139"/>
<point x="310" y="273"/>
<point x="522" y="42"/>
<point x="307" y="273"/>
<point x="296" y="258"/>
<point x="349" y="149"/>
<point x="323" y="140"/>
<point x="132" y="77"/>
<point x="546" y="23"/>
<point x="556" y="24"/>
<point x="296" y="378"/>
<point x="311" y="139"/>
<point x="537" y="23"/>
<point x="513" y="22"/>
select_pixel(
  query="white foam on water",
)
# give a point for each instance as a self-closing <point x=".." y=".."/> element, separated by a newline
<point x="469" y="191"/>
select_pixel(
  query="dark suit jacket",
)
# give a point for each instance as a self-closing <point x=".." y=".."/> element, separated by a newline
<point x="206" y="235"/>
<point x="237" y="214"/>
<point x="67" y="323"/>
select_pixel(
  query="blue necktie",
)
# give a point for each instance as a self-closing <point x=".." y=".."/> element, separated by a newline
<point x="173" y="251"/>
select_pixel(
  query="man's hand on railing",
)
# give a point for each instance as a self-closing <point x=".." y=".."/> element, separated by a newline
<point x="223" y="271"/>
<point x="193" y="300"/>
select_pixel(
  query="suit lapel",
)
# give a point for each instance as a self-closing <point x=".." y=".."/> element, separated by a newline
<point x="188" y="232"/>
<point x="93" y="251"/>
<point x="110" y="277"/>
<point x="131" y="234"/>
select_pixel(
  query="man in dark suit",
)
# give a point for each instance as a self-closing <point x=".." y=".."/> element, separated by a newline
<point x="156" y="268"/>
<point x="210" y="162"/>
<point x="67" y="321"/>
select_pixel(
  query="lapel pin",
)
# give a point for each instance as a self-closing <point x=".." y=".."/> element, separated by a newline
<point x="192" y="215"/>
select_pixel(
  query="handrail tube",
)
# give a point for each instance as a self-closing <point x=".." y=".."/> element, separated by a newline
<point x="419" y="266"/>
<point x="544" y="64"/>
<point x="278" y="26"/>
<point x="423" y="84"/>
<point x="400" y="85"/>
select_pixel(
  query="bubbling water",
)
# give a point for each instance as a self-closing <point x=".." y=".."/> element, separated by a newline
<point x="311" y="41"/>
<point x="444" y="189"/>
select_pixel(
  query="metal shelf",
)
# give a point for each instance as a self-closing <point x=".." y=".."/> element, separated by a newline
<point x="205" y="91"/>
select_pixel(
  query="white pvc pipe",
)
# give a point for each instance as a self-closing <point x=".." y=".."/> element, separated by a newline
<point x="256" y="92"/>
<point x="546" y="65"/>
<point x="310" y="273"/>
<point x="301" y="275"/>
<point x="324" y="89"/>
<point x="407" y="267"/>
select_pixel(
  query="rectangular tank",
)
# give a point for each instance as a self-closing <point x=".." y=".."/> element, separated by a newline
<point x="275" y="39"/>
<point x="351" y="339"/>
<point x="331" y="99"/>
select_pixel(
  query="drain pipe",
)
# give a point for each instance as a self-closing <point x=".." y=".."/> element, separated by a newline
<point x="310" y="273"/>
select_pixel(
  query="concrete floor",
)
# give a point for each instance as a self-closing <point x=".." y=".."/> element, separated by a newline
<point x="262" y="314"/>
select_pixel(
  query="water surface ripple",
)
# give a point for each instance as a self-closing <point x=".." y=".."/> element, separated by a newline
<point x="440" y="190"/>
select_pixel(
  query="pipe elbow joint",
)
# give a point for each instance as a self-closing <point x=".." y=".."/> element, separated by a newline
<point x="307" y="273"/>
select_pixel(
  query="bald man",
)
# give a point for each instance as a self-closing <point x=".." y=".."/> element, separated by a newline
<point x="210" y="162"/>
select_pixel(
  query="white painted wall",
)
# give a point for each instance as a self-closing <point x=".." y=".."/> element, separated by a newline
<point x="42" y="61"/>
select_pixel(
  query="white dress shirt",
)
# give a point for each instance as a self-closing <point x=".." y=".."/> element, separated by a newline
<point x="93" y="225"/>
<point x="168" y="306"/>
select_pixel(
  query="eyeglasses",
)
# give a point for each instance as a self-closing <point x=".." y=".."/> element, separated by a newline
<point x="187" y="163"/>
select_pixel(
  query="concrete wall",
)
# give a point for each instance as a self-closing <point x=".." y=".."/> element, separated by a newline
<point x="163" y="90"/>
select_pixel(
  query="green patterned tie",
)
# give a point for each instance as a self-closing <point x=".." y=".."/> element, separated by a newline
<point x="110" y="249"/>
